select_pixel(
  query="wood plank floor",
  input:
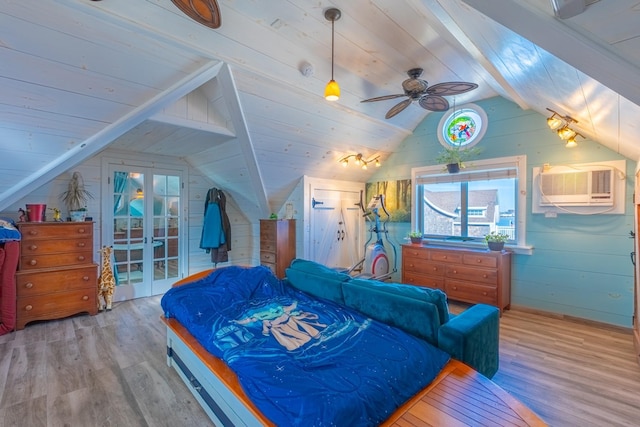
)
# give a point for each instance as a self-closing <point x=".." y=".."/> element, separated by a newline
<point x="110" y="370"/>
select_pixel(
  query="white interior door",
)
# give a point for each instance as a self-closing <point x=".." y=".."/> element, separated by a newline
<point x="336" y="226"/>
<point x="144" y="220"/>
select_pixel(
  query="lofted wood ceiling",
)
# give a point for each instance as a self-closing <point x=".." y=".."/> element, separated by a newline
<point x="79" y="76"/>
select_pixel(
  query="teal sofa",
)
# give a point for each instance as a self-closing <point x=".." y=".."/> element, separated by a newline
<point x="471" y="336"/>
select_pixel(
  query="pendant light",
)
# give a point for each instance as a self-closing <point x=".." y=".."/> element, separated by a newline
<point x="332" y="91"/>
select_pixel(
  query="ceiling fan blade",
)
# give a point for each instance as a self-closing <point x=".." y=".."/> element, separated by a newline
<point x="397" y="108"/>
<point x="451" y="88"/>
<point x="434" y="103"/>
<point x="383" y="98"/>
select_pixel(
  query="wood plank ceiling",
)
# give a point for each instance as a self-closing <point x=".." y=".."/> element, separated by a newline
<point x="79" y="76"/>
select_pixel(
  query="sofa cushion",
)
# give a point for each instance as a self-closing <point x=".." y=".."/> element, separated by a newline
<point x="316" y="279"/>
<point x="415" y="316"/>
<point x="433" y="296"/>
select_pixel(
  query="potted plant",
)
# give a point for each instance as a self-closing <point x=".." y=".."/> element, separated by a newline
<point x="416" y="237"/>
<point x="76" y="197"/>
<point x="496" y="240"/>
<point x="454" y="157"/>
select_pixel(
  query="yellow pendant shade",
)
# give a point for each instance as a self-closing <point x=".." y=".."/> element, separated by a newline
<point x="332" y="91"/>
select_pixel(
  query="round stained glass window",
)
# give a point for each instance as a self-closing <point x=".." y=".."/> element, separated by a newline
<point x="463" y="127"/>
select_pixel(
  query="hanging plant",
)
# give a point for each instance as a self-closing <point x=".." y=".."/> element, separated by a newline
<point x="76" y="196"/>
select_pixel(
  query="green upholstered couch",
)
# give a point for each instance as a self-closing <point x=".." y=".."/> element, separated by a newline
<point x="471" y="336"/>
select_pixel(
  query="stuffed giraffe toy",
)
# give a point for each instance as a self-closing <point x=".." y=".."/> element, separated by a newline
<point x="106" y="281"/>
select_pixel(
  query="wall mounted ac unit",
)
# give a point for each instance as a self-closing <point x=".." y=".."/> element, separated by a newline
<point x="577" y="187"/>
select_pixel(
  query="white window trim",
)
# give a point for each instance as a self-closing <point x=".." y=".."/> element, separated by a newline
<point x="519" y="162"/>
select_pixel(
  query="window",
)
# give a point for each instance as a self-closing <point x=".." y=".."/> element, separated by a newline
<point x="487" y="196"/>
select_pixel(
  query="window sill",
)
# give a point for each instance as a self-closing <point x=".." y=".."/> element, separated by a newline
<point x="516" y="249"/>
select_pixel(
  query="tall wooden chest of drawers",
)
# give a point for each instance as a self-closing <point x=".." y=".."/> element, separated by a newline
<point x="468" y="275"/>
<point x="277" y="244"/>
<point x="56" y="274"/>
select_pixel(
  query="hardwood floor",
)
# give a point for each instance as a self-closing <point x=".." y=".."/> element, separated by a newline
<point x="110" y="370"/>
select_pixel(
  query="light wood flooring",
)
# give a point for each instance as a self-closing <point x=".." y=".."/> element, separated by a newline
<point x="110" y="370"/>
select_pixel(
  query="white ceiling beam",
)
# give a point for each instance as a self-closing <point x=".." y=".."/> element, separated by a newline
<point x="578" y="50"/>
<point x="450" y="23"/>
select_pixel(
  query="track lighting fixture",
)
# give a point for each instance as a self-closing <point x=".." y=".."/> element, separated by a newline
<point x="332" y="91"/>
<point x="560" y="124"/>
<point x="360" y="161"/>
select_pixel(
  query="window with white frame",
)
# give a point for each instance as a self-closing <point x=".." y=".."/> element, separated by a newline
<point x="488" y="195"/>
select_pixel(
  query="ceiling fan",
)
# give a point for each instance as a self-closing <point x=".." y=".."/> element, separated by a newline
<point x="429" y="97"/>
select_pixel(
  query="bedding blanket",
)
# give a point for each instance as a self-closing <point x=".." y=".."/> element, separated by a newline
<point x="303" y="361"/>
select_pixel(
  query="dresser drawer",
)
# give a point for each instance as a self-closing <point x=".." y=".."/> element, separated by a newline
<point x="268" y="246"/>
<point x="470" y="292"/>
<point x="56" y="305"/>
<point x="417" y="265"/>
<point x="56" y="281"/>
<point x="415" y="252"/>
<point x="421" y="280"/>
<point x="34" y="262"/>
<point x="55" y="230"/>
<point x="480" y="260"/>
<point x="267" y="257"/>
<point x="476" y="275"/>
<point x="56" y="246"/>
<point x="445" y="256"/>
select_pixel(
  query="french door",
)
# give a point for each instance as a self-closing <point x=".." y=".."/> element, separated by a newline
<point x="144" y="221"/>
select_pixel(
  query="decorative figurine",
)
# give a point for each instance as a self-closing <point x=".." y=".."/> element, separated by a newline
<point x="23" y="215"/>
<point x="56" y="214"/>
<point x="106" y="281"/>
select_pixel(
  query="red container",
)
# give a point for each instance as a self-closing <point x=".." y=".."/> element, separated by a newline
<point x="36" y="212"/>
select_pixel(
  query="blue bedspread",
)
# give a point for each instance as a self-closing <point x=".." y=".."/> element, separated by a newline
<point x="301" y="360"/>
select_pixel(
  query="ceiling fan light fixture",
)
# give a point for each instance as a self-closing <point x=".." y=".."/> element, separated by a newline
<point x="332" y="91"/>
<point x="571" y="143"/>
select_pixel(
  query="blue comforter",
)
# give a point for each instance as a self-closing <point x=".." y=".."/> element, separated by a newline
<point x="303" y="361"/>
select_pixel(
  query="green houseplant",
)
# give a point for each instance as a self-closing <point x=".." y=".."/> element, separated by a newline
<point x="76" y="197"/>
<point x="496" y="240"/>
<point x="455" y="156"/>
<point x="415" y="237"/>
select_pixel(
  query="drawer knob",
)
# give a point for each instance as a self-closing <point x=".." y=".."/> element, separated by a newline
<point x="81" y="230"/>
<point x="85" y="298"/>
<point x="33" y="232"/>
<point x="33" y="247"/>
<point x="484" y="293"/>
<point x="455" y="288"/>
<point x="455" y="271"/>
<point x="478" y="260"/>
<point x="28" y="285"/>
<point x="33" y="262"/>
<point x="485" y="276"/>
<point x="81" y="258"/>
<point x="29" y="307"/>
<point x="81" y="244"/>
<point x="444" y="257"/>
<point x="435" y="268"/>
<point x="411" y="265"/>
<point x="85" y="278"/>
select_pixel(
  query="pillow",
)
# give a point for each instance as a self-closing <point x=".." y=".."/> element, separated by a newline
<point x="429" y="295"/>
<point x="8" y="231"/>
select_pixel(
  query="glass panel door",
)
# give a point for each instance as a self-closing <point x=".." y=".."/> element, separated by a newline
<point x="146" y="231"/>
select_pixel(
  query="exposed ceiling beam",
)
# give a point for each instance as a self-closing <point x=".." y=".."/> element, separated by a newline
<point x="577" y="49"/>
<point x="97" y="142"/>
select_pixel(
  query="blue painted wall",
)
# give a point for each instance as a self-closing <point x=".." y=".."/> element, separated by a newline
<point x="580" y="264"/>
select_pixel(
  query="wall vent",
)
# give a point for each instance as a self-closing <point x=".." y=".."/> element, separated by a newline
<point x="577" y="187"/>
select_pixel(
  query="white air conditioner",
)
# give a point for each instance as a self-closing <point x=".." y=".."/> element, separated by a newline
<point x="577" y="187"/>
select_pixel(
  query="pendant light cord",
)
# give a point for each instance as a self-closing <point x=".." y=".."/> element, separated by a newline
<point x="333" y="21"/>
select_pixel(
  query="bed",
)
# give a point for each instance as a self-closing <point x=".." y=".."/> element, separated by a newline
<point x="256" y="351"/>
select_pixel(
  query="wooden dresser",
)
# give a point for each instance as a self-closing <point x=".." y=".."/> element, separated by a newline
<point x="277" y="244"/>
<point x="56" y="274"/>
<point x="468" y="275"/>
